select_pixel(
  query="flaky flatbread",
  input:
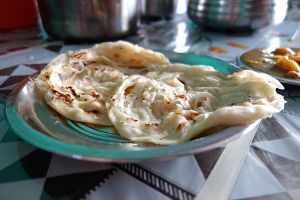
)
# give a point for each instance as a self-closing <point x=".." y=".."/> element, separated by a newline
<point x="78" y="91"/>
<point x="77" y="83"/>
<point x="167" y="104"/>
<point x="160" y="110"/>
<point x="126" y="54"/>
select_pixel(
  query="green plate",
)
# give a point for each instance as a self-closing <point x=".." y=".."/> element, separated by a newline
<point x="31" y="119"/>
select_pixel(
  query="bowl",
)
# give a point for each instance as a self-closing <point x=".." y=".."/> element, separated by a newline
<point x="238" y="15"/>
<point x="89" y="19"/>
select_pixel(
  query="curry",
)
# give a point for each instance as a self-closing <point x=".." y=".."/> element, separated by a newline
<point x="282" y="62"/>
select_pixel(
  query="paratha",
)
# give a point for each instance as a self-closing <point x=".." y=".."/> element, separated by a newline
<point x="79" y="91"/>
<point x="166" y="104"/>
<point x="77" y="83"/>
<point x="129" y="55"/>
<point x="155" y="108"/>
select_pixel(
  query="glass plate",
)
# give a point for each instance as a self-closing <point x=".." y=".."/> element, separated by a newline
<point x="243" y="65"/>
<point x="31" y="119"/>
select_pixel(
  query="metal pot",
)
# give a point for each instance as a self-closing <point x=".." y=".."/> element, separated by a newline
<point x="89" y="19"/>
<point x="237" y="15"/>
<point x="152" y="9"/>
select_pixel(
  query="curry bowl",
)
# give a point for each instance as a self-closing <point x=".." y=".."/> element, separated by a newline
<point x="282" y="63"/>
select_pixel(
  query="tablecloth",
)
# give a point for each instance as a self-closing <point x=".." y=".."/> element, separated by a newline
<point x="271" y="169"/>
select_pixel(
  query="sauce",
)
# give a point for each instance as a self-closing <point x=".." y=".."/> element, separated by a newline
<point x="236" y="45"/>
<point x="217" y="50"/>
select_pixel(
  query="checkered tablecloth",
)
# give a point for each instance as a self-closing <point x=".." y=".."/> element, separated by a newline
<point x="271" y="169"/>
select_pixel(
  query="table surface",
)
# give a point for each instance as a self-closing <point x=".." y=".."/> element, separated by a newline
<point x="271" y="169"/>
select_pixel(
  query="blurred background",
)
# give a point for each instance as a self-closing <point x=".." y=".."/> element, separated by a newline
<point x="177" y="25"/>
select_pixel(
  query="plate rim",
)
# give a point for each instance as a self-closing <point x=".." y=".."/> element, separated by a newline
<point x="40" y="140"/>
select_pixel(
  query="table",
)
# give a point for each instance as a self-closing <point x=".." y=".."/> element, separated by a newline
<point x="271" y="169"/>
